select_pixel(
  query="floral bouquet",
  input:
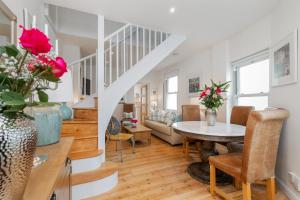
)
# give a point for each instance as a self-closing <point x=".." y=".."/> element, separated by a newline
<point x="27" y="70"/>
<point x="211" y="97"/>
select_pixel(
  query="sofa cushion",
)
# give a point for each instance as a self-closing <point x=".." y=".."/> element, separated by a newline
<point x="158" y="126"/>
<point x="154" y="115"/>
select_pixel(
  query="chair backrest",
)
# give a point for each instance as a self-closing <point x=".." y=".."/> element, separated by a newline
<point x="114" y="126"/>
<point x="128" y="108"/>
<point x="261" y="144"/>
<point x="190" y="113"/>
<point x="240" y="114"/>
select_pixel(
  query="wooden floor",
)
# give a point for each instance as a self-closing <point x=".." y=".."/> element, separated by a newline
<point x="156" y="172"/>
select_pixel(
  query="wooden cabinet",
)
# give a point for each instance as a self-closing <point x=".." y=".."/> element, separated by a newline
<point x="51" y="180"/>
<point x="63" y="185"/>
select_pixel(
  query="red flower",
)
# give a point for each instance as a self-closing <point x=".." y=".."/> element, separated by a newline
<point x="34" y="41"/>
<point x="60" y="67"/>
<point x="134" y="121"/>
<point x="218" y="90"/>
<point x="203" y="94"/>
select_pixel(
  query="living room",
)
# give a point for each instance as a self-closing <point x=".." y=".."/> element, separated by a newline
<point x="149" y="99"/>
<point x="219" y="62"/>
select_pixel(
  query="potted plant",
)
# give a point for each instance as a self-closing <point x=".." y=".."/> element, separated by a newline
<point x="24" y="70"/>
<point x="211" y="97"/>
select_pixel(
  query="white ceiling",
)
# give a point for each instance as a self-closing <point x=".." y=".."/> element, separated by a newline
<point x="203" y="22"/>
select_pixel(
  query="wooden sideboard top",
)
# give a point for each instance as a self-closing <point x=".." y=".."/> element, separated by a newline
<point x="43" y="178"/>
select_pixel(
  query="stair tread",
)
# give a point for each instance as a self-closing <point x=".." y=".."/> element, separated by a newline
<point x="80" y="121"/>
<point x="76" y="155"/>
<point x="91" y="108"/>
<point x="105" y="170"/>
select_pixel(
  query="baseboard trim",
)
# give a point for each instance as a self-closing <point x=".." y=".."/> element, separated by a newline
<point x="291" y="194"/>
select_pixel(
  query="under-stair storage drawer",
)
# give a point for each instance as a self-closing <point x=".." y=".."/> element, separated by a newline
<point x="79" y="129"/>
<point x="88" y="144"/>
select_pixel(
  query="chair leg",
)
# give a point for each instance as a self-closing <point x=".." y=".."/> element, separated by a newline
<point x="133" y="144"/>
<point x="246" y="191"/>
<point x="237" y="184"/>
<point x="271" y="189"/>
<point x="212" y="179"/>
<point x="121" y="153"/>
<point x="183" y="145"/>
<point x="187" y="145"/>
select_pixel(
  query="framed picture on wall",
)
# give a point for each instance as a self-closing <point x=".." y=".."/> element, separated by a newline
<point x="284" y="61"/>
<point x="194" y="85"/>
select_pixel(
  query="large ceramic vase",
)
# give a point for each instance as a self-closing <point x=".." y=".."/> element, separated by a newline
<point x="18" y="138"/>
<point x="48" y="122"/>
<point x="211" y="117"/>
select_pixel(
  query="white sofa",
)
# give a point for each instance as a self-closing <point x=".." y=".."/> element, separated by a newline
<point x="163" y="131"/>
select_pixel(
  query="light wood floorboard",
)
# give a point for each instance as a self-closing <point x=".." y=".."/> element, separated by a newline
<point x="157" y="172"/>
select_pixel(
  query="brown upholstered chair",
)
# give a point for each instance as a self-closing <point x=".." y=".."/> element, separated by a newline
<point x="189" y="113"/>
<point x="239" y="116"/>
<point x="257" y="162"/>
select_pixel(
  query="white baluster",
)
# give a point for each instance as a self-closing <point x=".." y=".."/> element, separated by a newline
<point x="149" y="40"/>
<point x="117" y="57"/>
<point x="137" y="43"/>
<point x="91" y="75"/>
<point x="79" y="78"/>
<point x="143" y="42"/>
<point x="131" y="47"/>
<point x="160" y="37"/>
<point x="85" y="77"/>
<point x="124" y="50"/>
<point x="110" y="62"/>
<point x="105" y="70"/>
<point x="155" y="39"/>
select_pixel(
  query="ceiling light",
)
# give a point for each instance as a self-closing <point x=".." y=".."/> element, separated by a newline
<point x="172" y="9"/>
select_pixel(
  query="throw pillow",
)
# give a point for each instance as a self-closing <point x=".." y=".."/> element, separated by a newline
<point x="170" y="118"/>
<point x="128" y="115"/>
<point x="154" y="116"/>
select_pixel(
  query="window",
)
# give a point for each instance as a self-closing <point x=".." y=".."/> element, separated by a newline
<point x="171" y="93"/>
<point x="252" y="84"/>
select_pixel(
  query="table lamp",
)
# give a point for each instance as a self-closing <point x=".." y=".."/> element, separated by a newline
<point x="63" y="94"/>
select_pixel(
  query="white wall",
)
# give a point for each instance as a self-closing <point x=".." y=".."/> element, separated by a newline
<point x="198" y="65"/>
<point x="285" y="18"/>
<point x="216" y="62"/>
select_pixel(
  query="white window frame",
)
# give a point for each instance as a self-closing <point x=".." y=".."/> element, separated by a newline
<point x="166" y="93"/>
<point x="237" y="65"/>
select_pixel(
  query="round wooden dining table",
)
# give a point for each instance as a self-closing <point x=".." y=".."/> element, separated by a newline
<point x="209" y="135"/>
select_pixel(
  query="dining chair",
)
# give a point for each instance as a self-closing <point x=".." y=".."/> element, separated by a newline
<point x="114" y="134"/>
<point x="257" y="162"/>
<point x="239" y="116"/>
<point x="190" y="113"/>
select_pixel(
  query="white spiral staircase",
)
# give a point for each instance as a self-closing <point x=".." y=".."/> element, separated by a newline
<point x="129" y="54"/>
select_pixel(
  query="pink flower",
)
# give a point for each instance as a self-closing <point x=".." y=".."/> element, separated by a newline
<point x="218" y="90"/>
<point x="60" y="67"/>
<point x="31" y="67"/>
<point x="34" y="41"/>
<point x="207" y="91"/>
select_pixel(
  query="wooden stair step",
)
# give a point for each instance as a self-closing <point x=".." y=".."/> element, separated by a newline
<point x="105" y="170"/>
<point x="76" y="155"/>
<point x="80" y="121"/>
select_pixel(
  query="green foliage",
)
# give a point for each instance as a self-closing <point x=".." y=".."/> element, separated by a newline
<point x="43" y="96"/>
<point x="12" y="102"/>
<point x="10" y="50"/>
